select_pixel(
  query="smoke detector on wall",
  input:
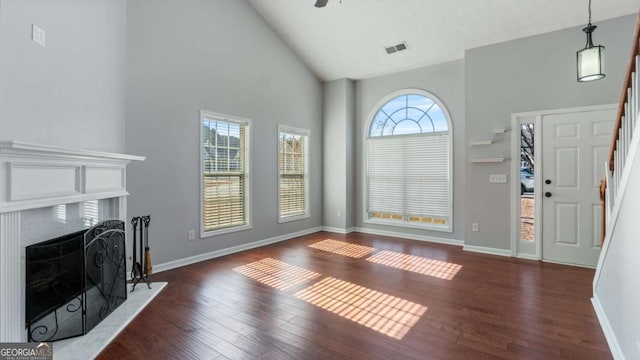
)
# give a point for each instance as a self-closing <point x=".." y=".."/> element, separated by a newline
<point x="395" y="48"/>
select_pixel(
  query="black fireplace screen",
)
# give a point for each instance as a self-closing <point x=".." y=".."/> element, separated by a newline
<point x="73" y="282"/>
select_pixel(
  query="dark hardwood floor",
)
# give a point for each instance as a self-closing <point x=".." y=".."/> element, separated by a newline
<point x="335" y="301"/>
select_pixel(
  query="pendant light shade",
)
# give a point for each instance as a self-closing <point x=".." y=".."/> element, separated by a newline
<point x="590" y="61"/>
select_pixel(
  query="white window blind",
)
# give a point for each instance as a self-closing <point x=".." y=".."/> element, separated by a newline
<point x="408" y="177"/>
<point x="224" y="173"/>
<point x="408" y="163"/>
<point x="293" y="174"/>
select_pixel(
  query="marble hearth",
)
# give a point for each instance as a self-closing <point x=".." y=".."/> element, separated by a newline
<point x="48" y="191"/>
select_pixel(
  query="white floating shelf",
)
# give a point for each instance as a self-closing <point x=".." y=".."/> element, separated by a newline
<point x="480" y="142"/>
<point x="487" y="160"/>
<point x="499" y="131"/>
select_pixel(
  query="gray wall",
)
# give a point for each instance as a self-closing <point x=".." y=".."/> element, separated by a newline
<point x="446" y="81"/>
<point x="338" y="153"/>
<point x="71" y="92"/>
<point x="219" y="56"/>
<point x="534" y="73"/>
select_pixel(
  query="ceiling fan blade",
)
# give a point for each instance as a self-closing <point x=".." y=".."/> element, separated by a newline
<point x="321" y="3"/>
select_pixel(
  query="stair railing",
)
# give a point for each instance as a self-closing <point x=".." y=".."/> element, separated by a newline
<point x="623" y="132"/>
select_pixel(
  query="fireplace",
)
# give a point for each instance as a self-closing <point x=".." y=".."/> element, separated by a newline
<point x="49" y="192"/>
<point x="74" y="281"/>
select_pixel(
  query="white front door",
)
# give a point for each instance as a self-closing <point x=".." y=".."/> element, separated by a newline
<point x="574" y="149"/>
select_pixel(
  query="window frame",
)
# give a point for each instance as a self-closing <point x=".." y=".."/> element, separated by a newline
<point x="247" y="173"/>
<point x="366" y="219"/>
<point x="307" y="134"/>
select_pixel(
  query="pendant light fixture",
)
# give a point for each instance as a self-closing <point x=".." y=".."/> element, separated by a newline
<point x="590" y="66"/>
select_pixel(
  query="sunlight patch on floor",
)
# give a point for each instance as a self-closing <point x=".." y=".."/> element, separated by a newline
<point x="386" y="314"/>
<point x="343" y="248"/>
<point x="436" y="268"/>
<point x="276" y="273"/>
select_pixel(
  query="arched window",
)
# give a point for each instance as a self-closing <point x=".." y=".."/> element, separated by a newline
<point x="408" y="178"/>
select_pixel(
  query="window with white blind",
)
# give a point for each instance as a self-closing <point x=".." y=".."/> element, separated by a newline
<point x="293" y="174"/>
<point x="225" y="173"/>
<point x="408" y="161"/>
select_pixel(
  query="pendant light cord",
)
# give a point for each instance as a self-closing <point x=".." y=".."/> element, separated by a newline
<point x="589" y="12"/>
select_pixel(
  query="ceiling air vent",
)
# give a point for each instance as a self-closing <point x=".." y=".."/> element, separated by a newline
<point x="396" y="48"/>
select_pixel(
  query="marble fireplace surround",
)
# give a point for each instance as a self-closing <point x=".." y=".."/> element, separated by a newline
<point x="41" y="176"/>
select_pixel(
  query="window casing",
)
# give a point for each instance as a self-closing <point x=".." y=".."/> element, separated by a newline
<point x="293" y="173"/>
<point x="225" y="180"/>
<point x="408" y="175"/>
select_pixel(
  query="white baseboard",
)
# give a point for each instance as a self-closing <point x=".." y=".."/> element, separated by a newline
<point x="487" y="250"/>
<point x="528" y="257"/>
<point x="231" y="250"/>
<point x="616" y="351"/>
<point x="338" y="230"/>
<point x="569" y="264"/>
<point x="410" y="236"/>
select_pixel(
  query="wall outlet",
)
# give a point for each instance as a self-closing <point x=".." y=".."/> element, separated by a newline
<point x="339" y="213"/>
<point x="192" y="235"/>
<point x="38" y="35"/>
<point x="475" y="227"/>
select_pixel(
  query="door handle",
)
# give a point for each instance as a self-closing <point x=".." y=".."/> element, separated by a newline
<point x="547" y="194"/>
<point x="547" y="181"/>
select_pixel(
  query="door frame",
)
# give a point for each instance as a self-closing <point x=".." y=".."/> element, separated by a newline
<point x="535" y="117"/>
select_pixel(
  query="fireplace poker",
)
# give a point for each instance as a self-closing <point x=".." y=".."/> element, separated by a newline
<point x="141" y="255"/>
<point x="134" y="224"/>
<point x="148" y="267"/>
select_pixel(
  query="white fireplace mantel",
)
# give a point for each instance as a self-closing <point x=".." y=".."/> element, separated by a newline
<point x="34" y="176"/>
<point x="38" y="176"/>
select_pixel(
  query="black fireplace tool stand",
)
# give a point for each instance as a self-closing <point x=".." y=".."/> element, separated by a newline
<point x="139" y="268"/>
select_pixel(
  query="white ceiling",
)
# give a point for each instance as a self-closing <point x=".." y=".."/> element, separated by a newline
<point x="346" y="39"/>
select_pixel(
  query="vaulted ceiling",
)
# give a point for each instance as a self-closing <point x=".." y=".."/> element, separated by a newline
<point x="347" y="38"/>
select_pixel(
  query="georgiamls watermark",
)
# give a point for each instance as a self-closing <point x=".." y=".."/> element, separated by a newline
<point x="26" y="351"/>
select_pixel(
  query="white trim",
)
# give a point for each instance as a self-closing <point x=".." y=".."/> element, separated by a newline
<point x="306" y="134"/>
<point x="247" y="173"/>
<point x="487" y="160"/>
<point x="432" y="239"/>
<point x="516" y="119"/>
<point x="634" y="150"/>
<point x="572" y="110"/>
<point x="409" y="225"/>
<point x="364" y="144"/>
<point x="24" y="149"/>
<point x="230" y="250"/>
<point x="487" y="250"/>
<point x="34" y="204"/>
<point x="338" y="230"/>
<point x="567" y="263"/>
<point x="612" y="341"/>
<point x="527" y="257"/>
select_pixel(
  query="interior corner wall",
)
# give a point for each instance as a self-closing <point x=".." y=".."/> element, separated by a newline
<point x="71" y="91"/>
<point x="338" y="154"/>
<point x="445" y="81"/>
<point x="222" y="57"/>
<point x="529" y="74"/>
